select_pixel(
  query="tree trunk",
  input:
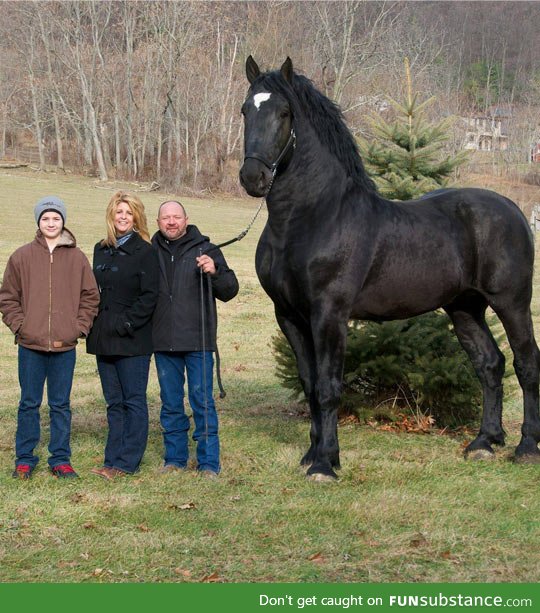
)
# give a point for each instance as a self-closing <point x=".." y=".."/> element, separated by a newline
<point x="37" y="124"/>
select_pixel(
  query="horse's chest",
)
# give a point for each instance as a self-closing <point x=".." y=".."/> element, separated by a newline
<point x="281" y="273"/>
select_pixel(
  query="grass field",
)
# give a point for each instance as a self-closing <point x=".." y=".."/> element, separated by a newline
<point x="407" y="507"/>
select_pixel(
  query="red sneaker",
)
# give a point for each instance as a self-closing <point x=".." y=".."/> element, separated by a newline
<point x="64" y="471"/>
<point x="22" y="471"/>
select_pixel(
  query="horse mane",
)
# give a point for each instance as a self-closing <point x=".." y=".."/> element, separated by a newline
<point x="326" y="118"/>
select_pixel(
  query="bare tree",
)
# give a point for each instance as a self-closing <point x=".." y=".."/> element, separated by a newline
<point x="350" y="37"/>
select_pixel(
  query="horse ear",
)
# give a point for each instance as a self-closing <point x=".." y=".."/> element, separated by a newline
<point x="252" y="70"/>
<point x="287" y="70"/>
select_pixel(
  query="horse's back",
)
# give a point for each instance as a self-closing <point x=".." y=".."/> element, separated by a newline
<point x="494" y="222"/>
<point x="500" y="240"/>
<point x="431" y="250"/>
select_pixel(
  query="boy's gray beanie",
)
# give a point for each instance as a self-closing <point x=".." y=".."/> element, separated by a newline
<point x="50" y="203"/>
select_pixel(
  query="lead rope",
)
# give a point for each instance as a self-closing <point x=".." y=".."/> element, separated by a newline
<point x="250" y="224"/>
<point x="203" y="343"/>
<point x="274" y="168"/>
<point x="222" y="392"/>
<point x="213" y="330"/>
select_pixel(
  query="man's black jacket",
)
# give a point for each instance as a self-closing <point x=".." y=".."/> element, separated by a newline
<point x="177" y="321"/>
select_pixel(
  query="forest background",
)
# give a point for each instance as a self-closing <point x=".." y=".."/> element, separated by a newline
<point x="151" y="91"/>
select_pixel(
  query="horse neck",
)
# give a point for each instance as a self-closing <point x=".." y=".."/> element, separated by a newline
<point x="313" y="170"/>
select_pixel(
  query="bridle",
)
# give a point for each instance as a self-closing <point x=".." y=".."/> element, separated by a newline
<point x="273" y="166"/>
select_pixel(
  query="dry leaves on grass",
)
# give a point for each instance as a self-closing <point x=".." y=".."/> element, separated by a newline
<point x="418" y="540"/>
<point x="348" y="419"/>
<point x="213" y="578"/>
<point x="418" y="424"/>
<point x="182" y="572"/>
<point x="77" y="498"/>
<point x="101" y="572"/>
<point x="186" y="506"/>
<point x="318" y="558"/>
<point x="448" y="555"/>
<point x="64" y="564"/>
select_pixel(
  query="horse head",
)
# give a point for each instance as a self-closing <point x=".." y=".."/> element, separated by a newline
<point x="268" y="129"/>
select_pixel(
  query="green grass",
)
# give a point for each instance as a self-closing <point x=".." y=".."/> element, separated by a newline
<point x="406" y="508"/>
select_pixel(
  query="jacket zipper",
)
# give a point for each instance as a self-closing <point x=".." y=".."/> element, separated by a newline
<point x="170" y="298"/>
<point x="50" y="297"/>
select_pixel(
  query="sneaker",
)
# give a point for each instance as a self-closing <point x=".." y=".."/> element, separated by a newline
<point x="22" y="471"/>
<point x="171" y="468"/>
<point x="64" y="471"/>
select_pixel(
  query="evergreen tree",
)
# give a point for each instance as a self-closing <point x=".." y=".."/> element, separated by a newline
<point x="406" y="159"/>
<point x="405" y="156"/>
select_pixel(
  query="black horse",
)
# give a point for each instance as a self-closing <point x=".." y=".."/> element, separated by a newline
<point x="333" y="250"/>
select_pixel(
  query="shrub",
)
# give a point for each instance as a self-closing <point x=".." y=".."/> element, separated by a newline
<point x="415" y="364"/>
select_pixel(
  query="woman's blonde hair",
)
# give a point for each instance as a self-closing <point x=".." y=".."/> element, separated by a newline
<point x="140" y="223"/>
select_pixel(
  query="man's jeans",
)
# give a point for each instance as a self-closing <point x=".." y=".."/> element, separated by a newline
<point x="124" y="381"/>
<point x="171" y="369"/>
<point x="36" y="367"/>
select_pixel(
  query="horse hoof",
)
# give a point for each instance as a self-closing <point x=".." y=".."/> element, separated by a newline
<point x="479" y="454"/>
<point x="321" y="478"/>
<point x="527" y="458"/>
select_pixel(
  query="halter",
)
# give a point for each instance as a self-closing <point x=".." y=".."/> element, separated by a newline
<point x="291" y="141"/>
<point x="273" y="166"/>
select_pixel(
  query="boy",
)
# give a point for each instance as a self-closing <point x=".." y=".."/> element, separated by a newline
<point x="48" y="299"/>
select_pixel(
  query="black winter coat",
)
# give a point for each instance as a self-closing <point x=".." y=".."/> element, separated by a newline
<point x="127" y="278"/>
<point x="177" y="322"/>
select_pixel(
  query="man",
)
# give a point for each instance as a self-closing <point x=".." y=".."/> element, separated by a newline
<point x="192" y="273"/>
<point x="48" y="299"/>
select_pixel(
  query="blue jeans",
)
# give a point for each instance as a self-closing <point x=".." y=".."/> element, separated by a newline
<point x="171" y="369"/>
<point x="124" y="381"/>
<point x="36" y="367"/>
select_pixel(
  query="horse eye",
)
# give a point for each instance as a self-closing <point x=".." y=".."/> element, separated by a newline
<point x="284" y="113"/>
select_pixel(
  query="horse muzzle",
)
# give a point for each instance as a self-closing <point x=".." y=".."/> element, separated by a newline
<point x="255" y="177"/>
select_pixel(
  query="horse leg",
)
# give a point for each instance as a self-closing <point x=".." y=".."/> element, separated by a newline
<point x="329" y="338"/>
<point x="474" y="335"/>
<point x="302" y="346"/>
<point x="519" y="330"/>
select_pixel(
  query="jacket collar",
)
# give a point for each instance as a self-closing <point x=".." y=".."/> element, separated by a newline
<point x="192" y="238"/>
<point x="130" y="246"/>
<point x="67" y="239"/>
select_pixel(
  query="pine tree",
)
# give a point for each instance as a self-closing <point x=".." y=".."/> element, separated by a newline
<point x="406" y="160"/>
<point x="405" y="156"/>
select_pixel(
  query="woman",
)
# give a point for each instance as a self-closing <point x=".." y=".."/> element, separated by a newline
<point x="127" y="272"/>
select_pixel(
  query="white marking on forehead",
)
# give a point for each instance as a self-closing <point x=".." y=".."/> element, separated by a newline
<point x="258" y="99"/>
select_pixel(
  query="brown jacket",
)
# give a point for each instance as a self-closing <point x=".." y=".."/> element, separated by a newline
<point x="49" y="300"/>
